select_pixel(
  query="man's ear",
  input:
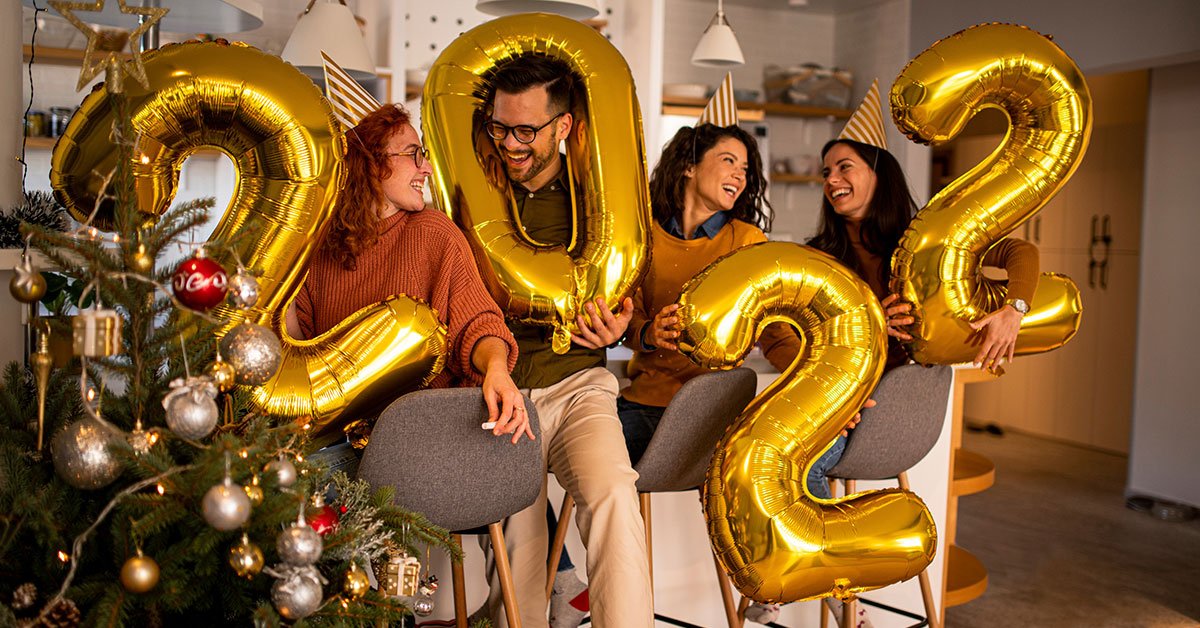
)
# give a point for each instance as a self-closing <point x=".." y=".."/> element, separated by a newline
<point x="565" y="122"/>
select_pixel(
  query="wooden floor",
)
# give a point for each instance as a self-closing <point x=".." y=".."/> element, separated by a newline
<point x="1062" y="550"/>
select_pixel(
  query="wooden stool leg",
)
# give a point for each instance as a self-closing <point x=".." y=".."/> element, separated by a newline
<point x="731" y="611"/>
<point x="742" y="606"/>
<point x="644" y="499"/>
<point x="824" y="613"/>
<point x="460" y="590"/>
<point x="560" y="538"/>
<point x="849" y="608"/>
<point x="500" y="551"/>
<point x="931" y="610"/>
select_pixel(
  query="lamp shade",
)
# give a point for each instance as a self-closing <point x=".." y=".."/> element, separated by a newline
<point x="185" y="16"/>
<point x="574" y="9"/>
<point x="329" y="27"/>
<point x="718" y="46"/>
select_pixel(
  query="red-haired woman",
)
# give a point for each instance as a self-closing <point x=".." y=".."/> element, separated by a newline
<point x="382" y="243"/>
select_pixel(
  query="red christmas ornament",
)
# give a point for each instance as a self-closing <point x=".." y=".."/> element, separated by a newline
<point x="325" y="520"/>
<point x="199" y="282"/>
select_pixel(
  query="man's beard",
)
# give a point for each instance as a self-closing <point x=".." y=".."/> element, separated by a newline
<point x="537" y="164"/>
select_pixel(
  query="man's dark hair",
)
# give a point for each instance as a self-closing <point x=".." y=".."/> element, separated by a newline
<point x="527" y="71"/>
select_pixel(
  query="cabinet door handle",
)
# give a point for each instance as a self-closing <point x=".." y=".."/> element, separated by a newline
<point x="1091" y="273"/>
<point x="1104" y="274"/>
<point x="1037" y="230"/>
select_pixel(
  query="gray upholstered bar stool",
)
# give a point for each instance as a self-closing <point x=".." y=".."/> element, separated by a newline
<point x="677" y="457"/>
<point x="428" y="445"/>
<point x="891" y="439"/>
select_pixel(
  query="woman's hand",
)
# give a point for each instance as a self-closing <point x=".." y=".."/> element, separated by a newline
<point x="997" y="332"/>
<point x="896" y="313"/>
<point x="601" y="328"/>
<point x="664" y="329"/>
<point x="506" y="405"/>
<point x="854" y="421"/>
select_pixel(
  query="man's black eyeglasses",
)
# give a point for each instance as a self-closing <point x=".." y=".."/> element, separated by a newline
<point x="419" y="155"/>
<point x="524" y="133"/>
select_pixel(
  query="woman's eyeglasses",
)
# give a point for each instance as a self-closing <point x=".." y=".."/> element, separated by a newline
<point x="524" y="133"/>
<point x="419" y="155"/>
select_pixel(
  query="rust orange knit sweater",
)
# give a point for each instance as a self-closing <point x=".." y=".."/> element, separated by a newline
<point x="657" y="374"/>
<point x="422" y="255"/>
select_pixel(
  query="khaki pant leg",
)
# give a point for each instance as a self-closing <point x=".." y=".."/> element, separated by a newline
<point x="589" y="459"/>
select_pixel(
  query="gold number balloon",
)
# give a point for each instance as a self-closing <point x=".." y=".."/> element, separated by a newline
<point x="287" y="148"/>
<point x="937" y="263"/>
<point x="777" y="541"/>
<point x="608" y="253"/>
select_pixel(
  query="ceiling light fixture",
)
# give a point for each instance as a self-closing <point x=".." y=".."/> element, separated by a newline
<point x="718" y="46"/>
<point x="574" y="9"/>
<point x="329" y="27"/>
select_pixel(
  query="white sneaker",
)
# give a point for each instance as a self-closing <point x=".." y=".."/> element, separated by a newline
<point x="760" y="613"/>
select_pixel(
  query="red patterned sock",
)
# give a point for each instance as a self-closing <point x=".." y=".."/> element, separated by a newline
<point x="581" y="601"/>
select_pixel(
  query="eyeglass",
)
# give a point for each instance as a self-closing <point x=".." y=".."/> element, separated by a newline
<point x="524" y="133"/>
<point x="419" y="155"/>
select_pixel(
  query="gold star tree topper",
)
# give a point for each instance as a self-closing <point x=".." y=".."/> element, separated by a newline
<point x="104" y="46"/>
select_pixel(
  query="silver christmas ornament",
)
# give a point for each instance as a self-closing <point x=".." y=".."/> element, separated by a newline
<point x="83" y="455"/>
<point x="422" y="606"/>
<point x="283" y="470"/>
<point x="299" y="545"/>
<point x="226" y="506"/>
<point x="243" y="290"/>
<point x="254" y="352"/>
<point x="191" y="407"/>
<point x="298" y="594"/>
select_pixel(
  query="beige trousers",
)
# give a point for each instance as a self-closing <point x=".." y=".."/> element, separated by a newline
<point x="585" y="448"/>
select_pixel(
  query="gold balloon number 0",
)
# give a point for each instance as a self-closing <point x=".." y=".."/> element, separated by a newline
<point x="608" y="254"/>
<point x="777" y="541"/>
<point x="287" y="148"/>
<point x="937" y="263"/>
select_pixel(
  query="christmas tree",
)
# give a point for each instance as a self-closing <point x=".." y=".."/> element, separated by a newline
<point x="137" y="485"/>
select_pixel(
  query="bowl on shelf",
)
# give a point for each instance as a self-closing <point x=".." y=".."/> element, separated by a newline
<point x="685" y="90"/>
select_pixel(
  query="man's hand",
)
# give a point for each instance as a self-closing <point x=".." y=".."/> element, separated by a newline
<point x="600" y="328"/>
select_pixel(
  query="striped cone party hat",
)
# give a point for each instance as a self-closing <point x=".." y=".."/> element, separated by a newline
<point x="721" y="109"/>
<point x="351" y="103"/>
<point x="866" y="125"/>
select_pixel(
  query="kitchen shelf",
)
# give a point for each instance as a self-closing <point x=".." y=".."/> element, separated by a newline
<point x="57" y="56"/>
<point x="966" y="577"/>
<point x="693" y="106"/>
<point x="972" y="472"/>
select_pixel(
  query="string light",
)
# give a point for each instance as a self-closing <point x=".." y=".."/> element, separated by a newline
<point x="161" y="489"/>
<point x="63" y="556"/>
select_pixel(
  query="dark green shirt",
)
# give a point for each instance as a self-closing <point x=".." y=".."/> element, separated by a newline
<point x="546" y="216"/>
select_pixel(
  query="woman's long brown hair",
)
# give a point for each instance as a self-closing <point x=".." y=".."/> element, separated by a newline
<point x="355" y="225"/>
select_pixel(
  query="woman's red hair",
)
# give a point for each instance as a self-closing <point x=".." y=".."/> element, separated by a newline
<point x="356" y="217"/>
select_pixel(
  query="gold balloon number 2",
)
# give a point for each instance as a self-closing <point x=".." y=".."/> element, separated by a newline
<point x="608" y="254"/>
<point x="287" y="149"/>
<point x="777" y="541"/>
<point x="937" y="263"/>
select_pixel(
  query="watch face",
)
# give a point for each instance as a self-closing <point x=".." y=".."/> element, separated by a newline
<point x="1020" y="305"/>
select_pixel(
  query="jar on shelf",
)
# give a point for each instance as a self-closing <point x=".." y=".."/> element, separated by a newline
<point x="59" y="116"/>
<point x="35" y="124"/>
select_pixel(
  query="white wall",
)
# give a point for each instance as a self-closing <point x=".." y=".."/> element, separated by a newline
<point x="1101" y="35"/>
<point x="1165" y="456"/>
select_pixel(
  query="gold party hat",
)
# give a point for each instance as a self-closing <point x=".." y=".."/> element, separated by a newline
<point x="351" y="103"/>
<point x="866" y="125"/>
<point x="721" y="109"/>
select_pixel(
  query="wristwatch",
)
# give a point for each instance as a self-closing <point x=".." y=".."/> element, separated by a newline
<point x="1018" y="304"/>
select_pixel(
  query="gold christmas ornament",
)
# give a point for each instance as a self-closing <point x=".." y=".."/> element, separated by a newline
<point x="140" y="260"/>
<point x="96" y="333"/>
<point x="606" y="161"/>
<point x="41" y="361"/>
<point x="254" y="491"/>
<point x="139" y="574"/>
<point x="356" y="583"/>
<point x="107" y="44"/>
<point x="254" y="353"/>
<point x="222" y="374"/>
<point x="938" y="263"/>
<point x="141" y="440"/>
<point x="777" y="541"/>
<point x="27" y="285"/>
<point x="287" y="151"/>
<point x="245" y="558"/>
